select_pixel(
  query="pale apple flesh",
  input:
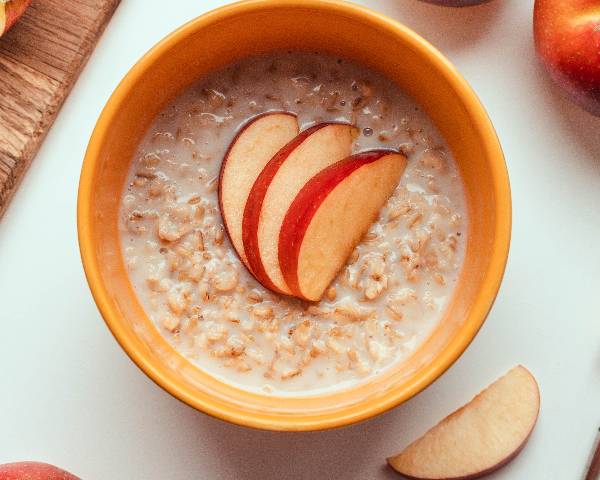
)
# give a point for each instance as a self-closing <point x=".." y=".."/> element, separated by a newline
<point x="34" y="471"/>
<point x="251" y="149"/>
<point x="10" y="12"/>
<point x="479" y="438"/>
<point x="330" y="215"/>
<point x="567" y="35"/>
<point x="276" y="187"/>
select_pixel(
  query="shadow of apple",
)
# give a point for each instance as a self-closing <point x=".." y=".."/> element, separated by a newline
<point x="446" y="28"/>
<point x="456" y="3"/>
<point x="576" y="121"/>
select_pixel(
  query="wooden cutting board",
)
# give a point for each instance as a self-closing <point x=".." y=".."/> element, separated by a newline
<point x="40" y="59"/>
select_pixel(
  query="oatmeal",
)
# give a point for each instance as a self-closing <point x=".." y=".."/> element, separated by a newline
<point x="384" y="302"/>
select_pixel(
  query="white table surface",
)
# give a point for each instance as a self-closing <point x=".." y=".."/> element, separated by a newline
<point x="70" y="396"/>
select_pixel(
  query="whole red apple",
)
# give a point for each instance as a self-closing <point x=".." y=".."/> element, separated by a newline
<point x="33" y="471"/>
<point x="567" y="39"/>
<point x="10" y="12"/>
<point x="456" y="3"/>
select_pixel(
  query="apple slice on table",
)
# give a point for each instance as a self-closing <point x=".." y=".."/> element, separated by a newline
<point x="276" y="187"/>
<point x="479" y="438"/>
<point x="330" y="215"/>
<point x="251" y="149"/>
<point x="33" y="471"/>
<point x="10" y="12"/>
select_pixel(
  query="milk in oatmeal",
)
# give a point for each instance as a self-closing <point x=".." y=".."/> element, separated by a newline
<point x="385" y="301"/>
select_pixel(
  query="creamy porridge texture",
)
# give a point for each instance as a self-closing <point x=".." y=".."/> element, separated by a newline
<point x="383" y="303"/>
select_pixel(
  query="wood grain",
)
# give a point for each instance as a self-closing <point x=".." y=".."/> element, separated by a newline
<point x="40" y="59"/>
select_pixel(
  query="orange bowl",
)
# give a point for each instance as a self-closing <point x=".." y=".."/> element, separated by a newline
<point x="219" y="38"/>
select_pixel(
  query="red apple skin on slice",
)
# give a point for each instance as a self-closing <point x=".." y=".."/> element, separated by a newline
<point x="254" y="145"/>
<point x="330" y="215"/>
<point x="276" y="187"/>
<point x="479" y="438"/>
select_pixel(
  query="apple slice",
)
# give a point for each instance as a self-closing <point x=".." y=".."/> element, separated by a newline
<point x="10" y="12"/>
<point x="330" y="215"/>
<point x="253" y="146"/>
<point x="276" y="187"/>
<point x="479" y="438"/>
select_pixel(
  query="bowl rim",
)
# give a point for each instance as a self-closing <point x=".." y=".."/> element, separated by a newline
<point x="480" y="307"/>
